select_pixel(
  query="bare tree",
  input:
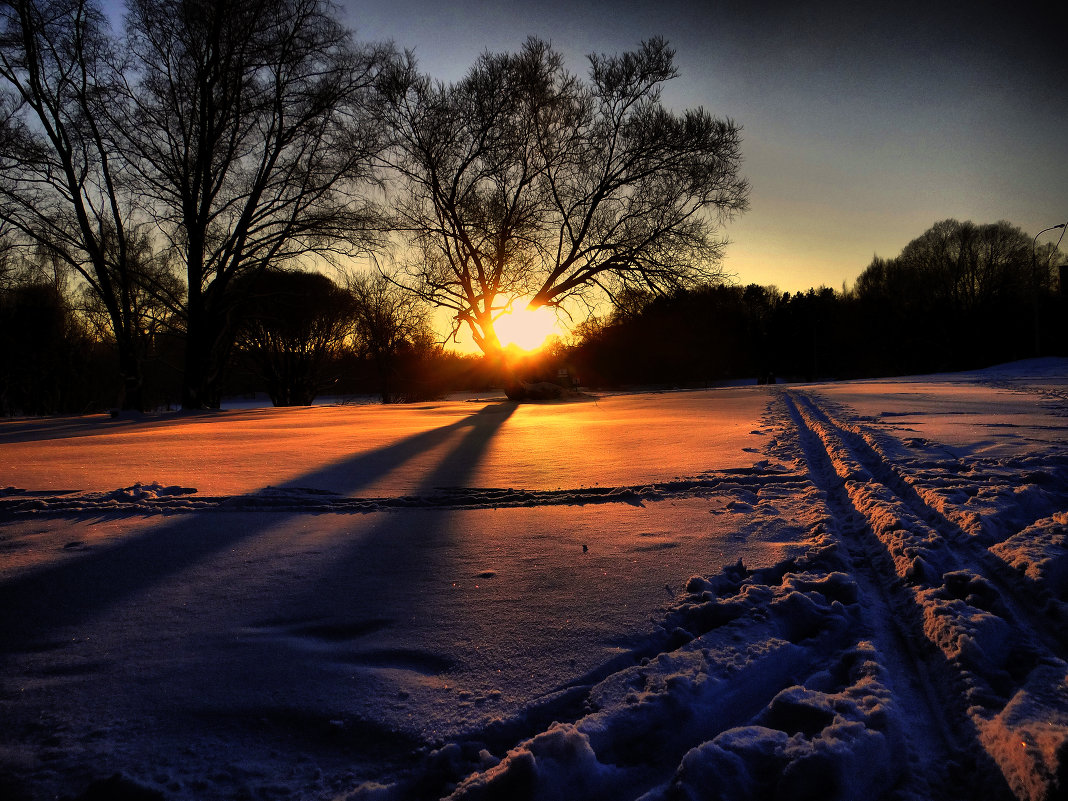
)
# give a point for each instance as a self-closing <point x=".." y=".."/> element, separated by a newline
<point x="8" y="254"/>
<point x="254" y="128"/>
<point x="523" y="181"/>
<point x="971" y="268"/>
<point x="956" y="295"/>
<point x="62" y="185"/>
<point x="386" y="320"/>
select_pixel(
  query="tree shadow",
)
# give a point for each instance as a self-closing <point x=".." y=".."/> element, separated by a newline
<point x="35" y="605"/>
<point x="43" y="429"/>
<point x="374" y="579"/>
<point x="346" y="476"/>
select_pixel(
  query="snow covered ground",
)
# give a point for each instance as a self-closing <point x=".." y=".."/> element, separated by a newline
<point x="833" y="591"/>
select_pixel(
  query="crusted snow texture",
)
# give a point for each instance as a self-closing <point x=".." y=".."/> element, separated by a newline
<point x="704" y="708"/>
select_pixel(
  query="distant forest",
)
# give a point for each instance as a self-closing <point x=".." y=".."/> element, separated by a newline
<point x="960" y="296"/>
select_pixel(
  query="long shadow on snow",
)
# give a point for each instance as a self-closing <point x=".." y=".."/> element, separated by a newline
<point x="43" y="429"/>
<point x="349" y="475"/>
<point x="381" y="557"/>
<point x="34" y="605"/>
<point x="384" y="558"/>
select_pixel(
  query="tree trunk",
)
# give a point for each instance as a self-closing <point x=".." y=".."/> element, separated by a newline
<point x="384" y="366"/>
<point x="501" y="367"/>
<point x="203" y="363"/>
<point x="132" y="393"/>
<point x="207" y="332"/>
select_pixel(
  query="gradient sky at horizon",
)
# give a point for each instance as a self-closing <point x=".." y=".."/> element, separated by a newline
<point x="863" y="123"/>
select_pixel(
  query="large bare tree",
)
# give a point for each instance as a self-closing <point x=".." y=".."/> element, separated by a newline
<point x="254" y="127"/>
<point x="63" y="190"/>
<point x="523" y="181"/>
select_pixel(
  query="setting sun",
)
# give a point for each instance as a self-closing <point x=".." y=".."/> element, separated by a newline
<point x="526" y="328"/>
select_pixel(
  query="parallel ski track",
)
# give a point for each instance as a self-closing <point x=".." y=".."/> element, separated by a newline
<point x="939" y="749"/>
<point x="919" y="555"/>
<point x="966" y="552"/>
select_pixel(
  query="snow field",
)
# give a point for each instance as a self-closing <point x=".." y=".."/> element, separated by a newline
<point x="814" y="592"/>
<point x="996" y="699"/>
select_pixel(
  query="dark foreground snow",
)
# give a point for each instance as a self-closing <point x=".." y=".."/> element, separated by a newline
<point x="847" y="591"/>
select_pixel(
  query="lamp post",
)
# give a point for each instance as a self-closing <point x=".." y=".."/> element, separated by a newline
<point x="1034" y="284"/>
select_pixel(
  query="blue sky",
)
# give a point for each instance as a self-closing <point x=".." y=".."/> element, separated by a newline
<point x="863" y="123"/>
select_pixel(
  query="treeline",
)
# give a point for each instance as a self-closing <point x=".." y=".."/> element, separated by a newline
<point x="301" y="335"/>
<point x="960" y="296"/>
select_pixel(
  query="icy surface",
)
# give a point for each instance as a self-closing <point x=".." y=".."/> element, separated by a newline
<point x="391" y="450"/>
<point x="832" y="591"/>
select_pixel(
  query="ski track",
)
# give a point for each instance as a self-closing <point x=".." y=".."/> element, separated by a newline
<point x="999" y="653"/>
<point x="937" y="744"/>
<point x="913" y="650"/>
<point x="142" y="499"/>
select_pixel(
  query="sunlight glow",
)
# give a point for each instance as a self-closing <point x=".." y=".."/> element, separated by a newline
<point x="527" y="329"/>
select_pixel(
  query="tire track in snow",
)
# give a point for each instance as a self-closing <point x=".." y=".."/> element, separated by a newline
<point x="1009" y="672"/>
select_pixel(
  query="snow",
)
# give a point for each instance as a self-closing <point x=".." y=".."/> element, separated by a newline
<point x="830" y="591"/>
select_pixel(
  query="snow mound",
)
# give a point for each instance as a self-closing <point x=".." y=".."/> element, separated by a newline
<point x="758" y="684"/>
<point x="147" y="492"/>
<point x="841" y="743"/>
<point x="1039" y="553"/>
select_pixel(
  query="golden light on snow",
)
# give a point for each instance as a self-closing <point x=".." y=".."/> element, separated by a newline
<point x="526" y="328"/>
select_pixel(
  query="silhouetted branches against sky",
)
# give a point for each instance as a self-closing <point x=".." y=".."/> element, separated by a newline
<point x="522" y="180"/>
<point x="255" y="125"/>
<point x="245" y="132"/>
<point x="63" y="180"/>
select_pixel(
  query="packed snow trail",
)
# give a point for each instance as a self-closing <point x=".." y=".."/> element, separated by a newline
<point x="1009" y="672"/>
<point x="939" y="763"/>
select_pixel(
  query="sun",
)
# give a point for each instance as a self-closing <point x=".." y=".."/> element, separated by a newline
<point x="526" y="328"/>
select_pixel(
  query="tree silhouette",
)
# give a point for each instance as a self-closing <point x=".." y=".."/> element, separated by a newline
<point x="387" y="321"/>
<point x="957" y="296"/>
<point x="62" y="179"/>
<point x="293" y="325"/>
<point x="46" y="356"/>
<point x="521" y="180"/>
<point x="253" y="129"/>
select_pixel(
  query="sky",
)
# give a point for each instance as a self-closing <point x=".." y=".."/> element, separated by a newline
<point x="863" y="124"/>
